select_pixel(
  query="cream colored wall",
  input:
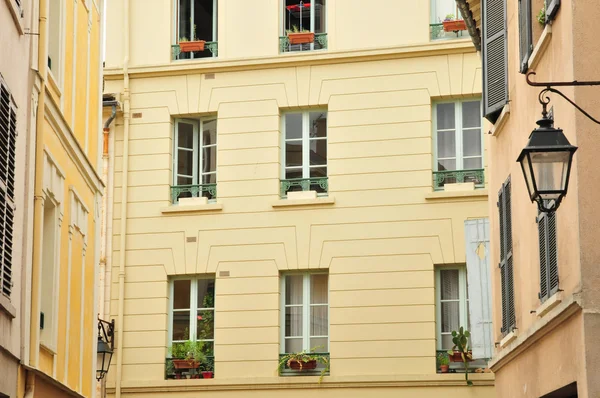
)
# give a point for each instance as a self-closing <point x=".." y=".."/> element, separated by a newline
<point x="252" y="29"/>
<point x="379" y="240"/>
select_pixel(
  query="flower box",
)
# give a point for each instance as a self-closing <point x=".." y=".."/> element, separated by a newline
<point x="455" y="25"/>
<point x="185" y="364"/>
<point x="300" y="365"/>
<point x="301" y="38"/>
<point x="191" y="46"/>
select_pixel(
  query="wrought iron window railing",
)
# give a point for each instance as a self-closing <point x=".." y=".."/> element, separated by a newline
<point x="320" y="43"/>
<point x="437" y="32"/>
<point x="193" y="191"/>
<point x="211" y="49"/>
<point x="459" y="367"/>
<point x="440" y="178"/>
<point x="174" y="372"/>
<point x="318" y="184"/>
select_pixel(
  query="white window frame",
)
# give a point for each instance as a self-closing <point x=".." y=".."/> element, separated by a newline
<point x="306" y="166"/>
<point x="176" y="22"/>
<point x="193" y="309"/>
<point x="59" y="78"/>
<point x="198" y="151"/>
<point x="463" y="306"/>
<point x="306" y="305"/>
<point x="283" y="28"/>
<point x="458" y="128"/>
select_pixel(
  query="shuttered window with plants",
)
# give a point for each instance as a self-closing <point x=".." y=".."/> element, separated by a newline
<point x="495" y="58"/>
<point x="548" y="255"/>
<point x="8" y="136"/>
<point x="506" y="259"/>
<point x="525" y="35"/>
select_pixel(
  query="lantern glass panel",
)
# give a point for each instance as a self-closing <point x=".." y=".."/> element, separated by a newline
<point x="550" y="171"/>
<point x="526" y="166"/>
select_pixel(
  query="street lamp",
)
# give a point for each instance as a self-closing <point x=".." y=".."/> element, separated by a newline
<point x="546" y="163"/>
<point x="106" y="345"/>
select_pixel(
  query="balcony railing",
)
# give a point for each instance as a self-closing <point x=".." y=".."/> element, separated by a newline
<point x="193" y="191"/>
<point x="320" y="43"/>
<point x="436" y="32"/>
<point x="440" y="178"/>
<point x="211" y="49"/>
<point x="319" y="184"/>
<point x="313" y="372"/>
<point x="171" y="372"/>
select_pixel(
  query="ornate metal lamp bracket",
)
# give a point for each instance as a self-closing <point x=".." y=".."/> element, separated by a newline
<point x="106" y="330"/>
<point x="545" y="100"/>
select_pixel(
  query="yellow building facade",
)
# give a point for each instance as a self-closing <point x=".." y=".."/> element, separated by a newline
<point x="266" y="196"/>
<point x="60" y="336"/>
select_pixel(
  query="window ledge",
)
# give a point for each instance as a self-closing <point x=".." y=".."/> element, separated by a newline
<point x="475" y="193"/>
<point x="540" y="47"/>
<point x="499" y="125"/>
<point x="552" y="302"/>
<point x="7" y="307"/>
<point x="191" y="209"/>
<point x="326" y="200"/>
<point x="17" y="15"/>
<point x="509" y="338"/>
<point x="50" y="348"/>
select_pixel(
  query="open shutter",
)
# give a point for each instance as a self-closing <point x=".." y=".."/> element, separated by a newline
<point x="477" y="241"/>
<point x="506" y="258"/>
<point x="548" y="255"/>
<point x="495" y="58"/>
<point x="552" y="7"/>
<point x="8" y="135"/>
<point x="542" y="227"/>
<point x="552" y="255"/>
<point x="525" y="34"/>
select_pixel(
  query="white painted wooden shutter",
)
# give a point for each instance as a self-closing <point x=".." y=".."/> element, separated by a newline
<point x="477" y="238"/>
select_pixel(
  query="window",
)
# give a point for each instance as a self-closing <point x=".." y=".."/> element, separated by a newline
<point x="305" y="315"/>
<point x="525" y="34"/>
<point x="458" y="143"/>
<point x="54" y="39"/>
<point x="452" y="301"/>
<point x="495" y="58"/>
<point x="196" y="20"/>
<point x="195" y="159"/>
<point x="8" y="137"/>
<point x="445" y="21"/>
<point x="304" y="152"/>
<point x="193" y="312"/>
<point x="299" y="16"/>
<point x="48" y="283"/>
<point x="506" y="258"/>
<point x="548" y="255"/>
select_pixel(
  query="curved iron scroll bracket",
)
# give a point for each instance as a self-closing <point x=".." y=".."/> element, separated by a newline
<point x="544" y="101"/>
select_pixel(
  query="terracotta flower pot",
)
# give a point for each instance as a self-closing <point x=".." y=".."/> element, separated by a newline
<point x="454" y="26"/>
<point x="185" y="364"/>
<point x="298" y="365"/>
<point x="191" y="46"/>
<point x="301" y="38"/>
<point x="207" y="374"/>
<point x="456" y="357"/>
<point x="444" y="368"/>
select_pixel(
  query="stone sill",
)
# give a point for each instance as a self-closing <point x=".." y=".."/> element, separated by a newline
<point x="7" y="307"/>
<point x="552" y="302"/>
<point x="540" y="47"/>
<point x="509" y="338"/>
<point x="476" y="193"/>
<point x="501" y="122"/>
<point x="325" y="200"/>
<point x="284" y="383"/>
<point x="174" y="209"/>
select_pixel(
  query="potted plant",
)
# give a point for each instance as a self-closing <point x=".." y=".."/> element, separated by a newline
<point x="453" y="25"/>
<point x="207" y="369"/>
<point x="186" y="46"/>
<point x="461" y="350"/>
<point x="303" y="361"/>
<point x="187" y="355"/>
<point x="444" y="362"/>
<point x="300" y="36"/>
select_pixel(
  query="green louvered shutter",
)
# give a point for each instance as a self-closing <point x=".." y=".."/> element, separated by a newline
<point x="495" y="58"/>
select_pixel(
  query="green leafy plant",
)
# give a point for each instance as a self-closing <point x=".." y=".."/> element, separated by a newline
<point x="188" y="350"/>
<point x="443" y="358"/>
<point x="449" y="17"/>
<point x="295" y="29"/>
<point x="183" y="39"/>
<point x="460" y="340"/>
<point x="541" y="17"/>
<point x="303" y="357"/>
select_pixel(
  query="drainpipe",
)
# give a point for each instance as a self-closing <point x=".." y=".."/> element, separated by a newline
<point x="38" y="205"/>
<point x="123" y="232"/>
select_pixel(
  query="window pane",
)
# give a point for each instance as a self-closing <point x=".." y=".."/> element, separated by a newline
<point x="209" y="161"/>
<point x="472" y="163"/>
<point x="450" y="316"/>
<point x="293" y="125"/>
<point x="293" y="321"/>
<point x="203" y="19"/>
<point x="185" y="17"/>
<point x="445" y="116"/>
<point x="181" y="325"/>
<point x="209" y="179"/>
<point x="318" y="172"/>
<point x="447" y="343"/>
<point x="206" y="293"/>
<point x="293" y="289"/>
<point x="209" y="350"/>
<point x="319" y="344"/>
<point x="181" y="291"/>
<point x="297" y="16"/>
<point x="472" y="142"/>
<point x="471" y="113"/>
<point x="205" y="324"/>
<point x="449" y="284"/>
<point x="184" y="180"/>
<point x="448" y="164"/>
<point x="209" y="132"/>
<point x="320" y="16"/>
<point x="318" y="124"/>
<point x="185" y="162"/>
<point x="446" y="144"/>
<point x="319" y="322"/>
<point x="293" y="153"/>
<point x="293" y="173"/>
<point x="318" y="289"/>
<point x="318" y="152"/>
<point x="185" y="135"/>
<point x="293" y="345"/>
